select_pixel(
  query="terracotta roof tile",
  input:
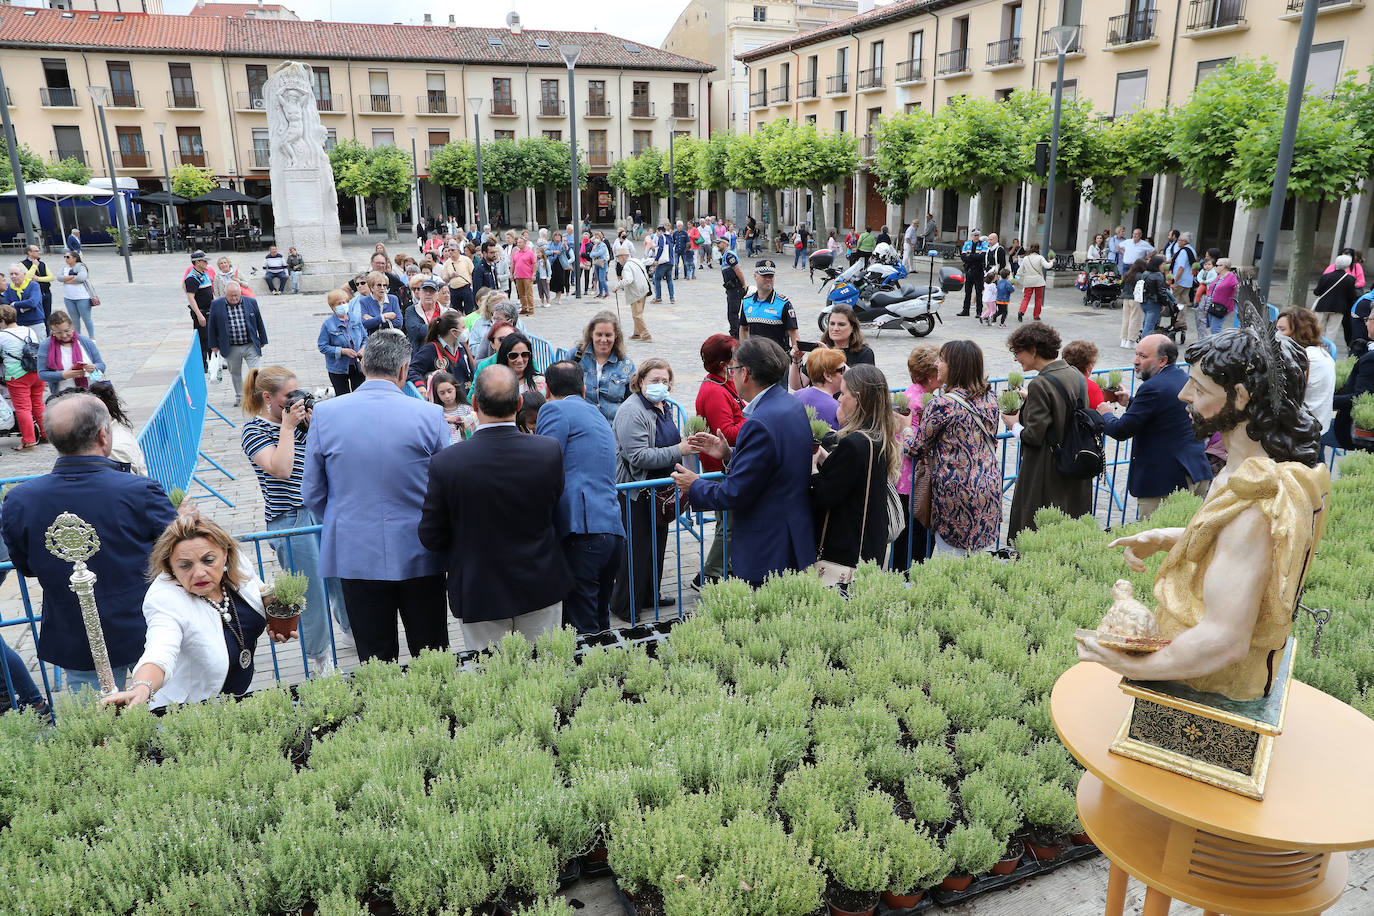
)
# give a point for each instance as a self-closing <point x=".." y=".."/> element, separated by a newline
<point x="254" y="37"/>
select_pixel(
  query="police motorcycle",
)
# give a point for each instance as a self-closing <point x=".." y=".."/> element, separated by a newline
<point x="882" y="302"/>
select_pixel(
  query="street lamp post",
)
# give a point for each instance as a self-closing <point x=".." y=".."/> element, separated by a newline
<point x="415" y="190"/>
<point x="1297" y="81"/>
<point x="570" y="55"/>
<point x="475" y="103"/>
<point x="171" y="214"/>
<point x="1063" y="37"/>
<point x="11" y="144"/>
<point x="672" y="192"/>
<point x="98" y="96"/>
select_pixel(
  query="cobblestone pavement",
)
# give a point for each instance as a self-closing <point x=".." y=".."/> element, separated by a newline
<point x="143" y="330"/>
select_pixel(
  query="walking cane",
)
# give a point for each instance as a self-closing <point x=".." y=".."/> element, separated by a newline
<point x="617" y="309"/>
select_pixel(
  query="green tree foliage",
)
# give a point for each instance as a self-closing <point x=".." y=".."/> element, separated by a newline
<point x="711" y="160"/>
<point x="31" y="166"/>
<point x="544" y="162"/>
<point x="191" y="181"/>
<point x="71" y="170"/>
<point x="382" y="173"/>
<point x="898" y="136"/>
<point x="1034" y="110"/>
<point x="969" y="145"/>
<point x="618" y="176"/>
<point x="454" y="166"/>
<point x="1209" y="126"/>
<point x="1136" y="144"/>
<point x="501" y="170"/>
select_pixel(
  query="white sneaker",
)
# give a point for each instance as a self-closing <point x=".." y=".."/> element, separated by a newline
<point x="321" y="665"/>
<point x="344" y="641"/>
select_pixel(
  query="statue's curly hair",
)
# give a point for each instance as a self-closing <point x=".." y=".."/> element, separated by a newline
<point x="1287" y="431"/>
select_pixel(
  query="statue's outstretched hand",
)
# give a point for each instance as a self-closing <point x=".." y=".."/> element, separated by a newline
<point x="1139" y="546"/>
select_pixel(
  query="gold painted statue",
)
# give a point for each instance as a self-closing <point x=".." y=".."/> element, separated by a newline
<point x="1227" y="591"/>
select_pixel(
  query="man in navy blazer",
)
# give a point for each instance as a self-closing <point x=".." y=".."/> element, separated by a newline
<point x="128" y="513"/>
<point x="768" y="475"/>
<point x="588" y="515"/>
<point x="366" y="465"/>
<point x="496" y="529"/>
<point x="1166" y="455"/>
<point x="235" y="331"/>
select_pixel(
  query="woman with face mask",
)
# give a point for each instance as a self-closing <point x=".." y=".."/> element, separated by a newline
<point x="341" y="341"/>
<point x="648" y="446"/>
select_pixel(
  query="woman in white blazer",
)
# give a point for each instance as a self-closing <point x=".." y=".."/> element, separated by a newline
<point x="205" y="614"/>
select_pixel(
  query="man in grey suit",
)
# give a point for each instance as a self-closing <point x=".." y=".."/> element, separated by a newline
<point x="366" y="467"/>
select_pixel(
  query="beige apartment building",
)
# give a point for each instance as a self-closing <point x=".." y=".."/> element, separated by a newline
<point x="918" y="54"/>
<point x="194" y="84"/>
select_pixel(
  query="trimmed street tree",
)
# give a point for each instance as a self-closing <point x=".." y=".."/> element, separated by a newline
<point x="799" y="156"/>
<point x="745" y="168"/>
<point x="712" y="156"/>
<point x="546" y="164"/>
<point x="1123" y="150"/>
<point x="31" y="166"/>
<point x="383" y="174"/>
<point x="898" y="136"/>
<point x="971" y="146"/>
<point x="644" y="177"/>
<point x="454" y="166"/>
<point x="686" y="177"/>
<point x="71" y="170"/>
<point x="191" y="181"/>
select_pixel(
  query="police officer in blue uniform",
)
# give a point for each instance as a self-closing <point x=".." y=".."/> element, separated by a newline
<point x="974" y="255"/>
<point x="768" y="313"/>
<point x="733" y="276"/>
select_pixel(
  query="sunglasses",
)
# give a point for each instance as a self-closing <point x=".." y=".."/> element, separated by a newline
<point x="520" y="355"/>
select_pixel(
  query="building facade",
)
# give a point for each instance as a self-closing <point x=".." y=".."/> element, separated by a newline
<point x="1129" y="54"/>
<point x="194" y="85"/>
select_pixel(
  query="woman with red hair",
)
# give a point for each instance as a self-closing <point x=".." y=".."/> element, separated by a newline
<point x="723" y="409"/>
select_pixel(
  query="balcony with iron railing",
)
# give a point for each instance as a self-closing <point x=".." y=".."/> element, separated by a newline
<point x="779" y="94"/>
<point x="599" y="158"/>
<point x="432" y="151"/>
<point x="186" y="101"/>
<point x="1049" y="52"/>
<point x="684" y="111"/>
<point x="870" y="79"/>
<point x="1134" y="28"/>
<point x="131" y="161"/>
<point x="378" y="103"/>
<point x="122" y="99"/>
<point x="758" y="98"/>
<point x="952" y="63"/>
<point x="641" y="109"/>
<point x="598" y="108"/>
<point x="1004" y="53"/>
<point x="259" y="157"/>
<point x="503" y="108"/>
<point x="837" y="83"/>
<point x="1206" y="16"/>
<point x="63" y="152"/>
<point x="62" y="97"/>
<point x="250" y="101"/>
<point x="196" y="158"/>
<point x="1294" y="12"/>
<point x="806" y="89"/>
<point x="329" y="104"/>
<point x="910" y="71"/>
<point x="436" y="103"/>
<point x="868" y="146"/>
<point x="552" y="108"/>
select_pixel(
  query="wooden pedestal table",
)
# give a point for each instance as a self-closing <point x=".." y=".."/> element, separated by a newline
<point x="1214" y="849"/>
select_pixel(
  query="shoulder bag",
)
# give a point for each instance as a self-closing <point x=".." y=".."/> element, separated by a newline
<point x="833" y="574"/>
<point x="1079" y="454"/>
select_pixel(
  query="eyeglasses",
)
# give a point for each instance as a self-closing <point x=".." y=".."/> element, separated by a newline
<point x="521" y="355"/>
<point x="731" y="370"/>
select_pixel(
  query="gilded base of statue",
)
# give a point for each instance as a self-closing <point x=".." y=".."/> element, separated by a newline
<point x="1206" y="736"/>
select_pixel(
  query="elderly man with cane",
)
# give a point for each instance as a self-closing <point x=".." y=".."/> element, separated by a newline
<point x="634" y="280"/>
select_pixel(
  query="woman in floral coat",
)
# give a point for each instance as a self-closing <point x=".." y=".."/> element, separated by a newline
<point x="958" y="431"/>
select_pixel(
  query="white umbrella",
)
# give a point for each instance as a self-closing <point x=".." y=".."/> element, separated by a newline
<point x="58" y="191"/>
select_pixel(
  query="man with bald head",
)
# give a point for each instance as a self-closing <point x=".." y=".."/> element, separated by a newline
<point x="512" y="575"/>
<point x="128" y="513"/>
<point x="1166" y="455"/>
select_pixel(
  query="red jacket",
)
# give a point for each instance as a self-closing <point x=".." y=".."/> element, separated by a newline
<point x="722" y="409"/>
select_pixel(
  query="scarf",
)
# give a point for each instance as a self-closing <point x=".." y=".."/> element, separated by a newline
<point x="55" y="359"/>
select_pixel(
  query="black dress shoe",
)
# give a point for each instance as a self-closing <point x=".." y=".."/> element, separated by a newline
<point x="666" y="601"/>
<point x="963" y="314"/>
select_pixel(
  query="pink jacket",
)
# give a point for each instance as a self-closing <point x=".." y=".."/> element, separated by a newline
<point x="522" y="264"/>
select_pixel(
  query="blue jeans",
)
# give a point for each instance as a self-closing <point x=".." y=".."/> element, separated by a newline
<point x="593" y="560"/>
<point x="275" y="282"/>
<point x="26" y="691"/>
<point x="295" y="281"/>
<point x="798" y="255"/>
<point x="601" y="286"/>
<point x="78" y="679"/>
<point x="689" y="264"/>
<point x="304" y="558"/>
<point x="1151" y="312"/>
<point x="80" y="309"/>
<point x="663" y="272"/>
<point x="1214" y="324"/>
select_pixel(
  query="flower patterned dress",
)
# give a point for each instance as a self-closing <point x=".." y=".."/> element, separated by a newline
<point x="966" y="481"/>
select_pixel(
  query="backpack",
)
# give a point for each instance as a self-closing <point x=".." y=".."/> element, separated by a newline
<point x="1079" y="454"/>
<point x="28" y="357"/>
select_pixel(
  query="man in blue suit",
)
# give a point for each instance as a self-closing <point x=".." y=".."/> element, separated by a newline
<point x="588" y="514"/>
<point x="235" y="331"/>
<point x="366" y="467"/>
<point x="768" y="474"/>
<point x="128" y="513"/>
<point x="1166" y="456"/>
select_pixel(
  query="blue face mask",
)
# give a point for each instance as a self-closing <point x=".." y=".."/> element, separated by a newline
<point x="656" y="393"/>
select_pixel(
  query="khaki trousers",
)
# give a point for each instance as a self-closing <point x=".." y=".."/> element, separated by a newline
<point x="637" y="312"/>
<point x="1131" y="320"/>
<point x="482" y="634"/>
<point x="524" y="288"/>
<point x="1148" y="504"/>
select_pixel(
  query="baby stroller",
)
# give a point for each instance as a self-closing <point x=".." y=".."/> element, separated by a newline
<point x="1172" y="322"/>
<point x="1101" y="284"/>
